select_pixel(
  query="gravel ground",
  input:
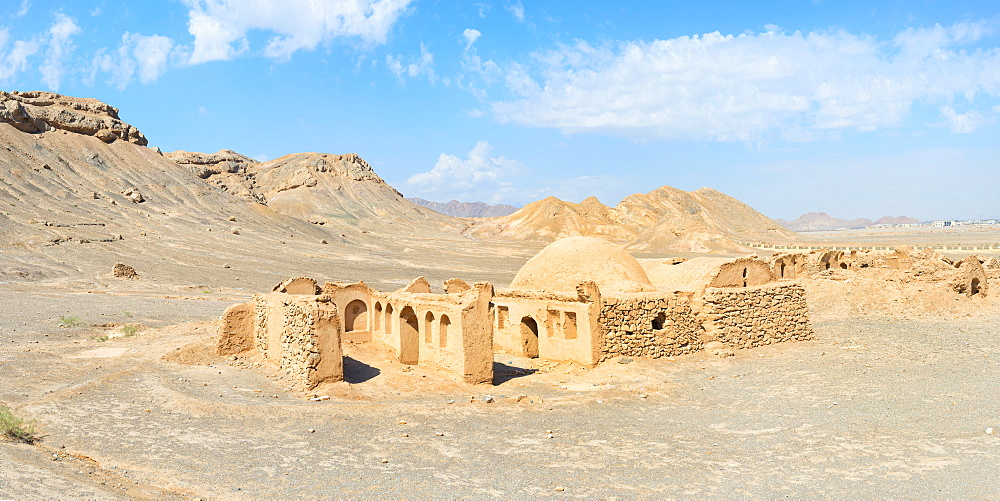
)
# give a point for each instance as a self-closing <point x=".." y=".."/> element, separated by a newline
<point x="875" y="407"/>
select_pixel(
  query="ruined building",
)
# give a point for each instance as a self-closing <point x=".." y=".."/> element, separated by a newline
<point x="580" y="299"/>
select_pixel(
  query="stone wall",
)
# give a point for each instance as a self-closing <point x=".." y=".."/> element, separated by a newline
<point x="649" y="326"/>
<point x="756" y="316"/>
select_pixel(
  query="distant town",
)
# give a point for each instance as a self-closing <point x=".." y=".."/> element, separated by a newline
<point x="943" y="223"/>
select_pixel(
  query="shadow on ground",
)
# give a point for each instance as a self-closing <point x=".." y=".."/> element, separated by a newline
<point x="503" y="372"/>
<point x="356" y="371"/>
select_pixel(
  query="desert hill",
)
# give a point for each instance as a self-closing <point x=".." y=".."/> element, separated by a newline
<point x="664" y="219"/>
<point x="455" y="208"/>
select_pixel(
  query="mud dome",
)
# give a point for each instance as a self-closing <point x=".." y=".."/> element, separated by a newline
<point x="580" y="299"/>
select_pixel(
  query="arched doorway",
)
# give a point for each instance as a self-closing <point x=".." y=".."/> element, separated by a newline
<point x="529" y="337"/>
<point x="378" y="316"/>
<point x="409" y="336"/>
<point x="356" y="316"/>
<point x="974" y="287"/>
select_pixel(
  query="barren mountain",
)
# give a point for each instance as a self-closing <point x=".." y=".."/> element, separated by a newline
<point x="465" y="209"/>
<point x="663" y="219"/>
<point x="317" y="187"/>
<point x="898" y="220"/>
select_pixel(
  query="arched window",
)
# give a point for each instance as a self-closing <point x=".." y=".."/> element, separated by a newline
<point x="443" y="331"/>
<point x="428" y="328"/>
<point x="388" y="319"/>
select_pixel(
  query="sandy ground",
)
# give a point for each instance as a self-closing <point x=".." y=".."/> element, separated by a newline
<point x="877" y="406"/>
<point x="957" y="235"/>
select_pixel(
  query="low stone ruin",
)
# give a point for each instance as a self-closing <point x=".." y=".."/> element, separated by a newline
<point x="580" y="299"/>
<point x="968" y="276"/>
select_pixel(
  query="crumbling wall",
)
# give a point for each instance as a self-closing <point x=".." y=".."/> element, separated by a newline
<point x="477" y="334"/>
<point x="649" y="326"/>
<point x="236" y="329"/>
<point x="971" y="278"/>
<point x="788" y="265"/>
<point x="756" y="316"/>
<point x="301" y="334"/>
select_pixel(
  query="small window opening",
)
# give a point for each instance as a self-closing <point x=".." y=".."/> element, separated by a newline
<point x="659" y="320"/>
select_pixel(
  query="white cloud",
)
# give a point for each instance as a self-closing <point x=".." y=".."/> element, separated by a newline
<point x="422" y="67"/>
<point x="144" y="55"/>
<point x="60" y="46"/>
<point x="470" y="35"/>
<point x="483" y="8"/>
<point x="14" y="60"/>
<point x="746" y="87"/>
<point x="480" y="177"/>
<point x="963" y="123"/>
<point x="219" y="27"/>
<point x="23" y="10"/>
<point x="516" y="10"/>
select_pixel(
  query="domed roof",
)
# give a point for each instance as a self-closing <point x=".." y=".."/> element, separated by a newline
<point x="563" y="264"/>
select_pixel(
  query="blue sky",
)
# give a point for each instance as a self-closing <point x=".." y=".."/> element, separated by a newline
<point x="858" y="109"/>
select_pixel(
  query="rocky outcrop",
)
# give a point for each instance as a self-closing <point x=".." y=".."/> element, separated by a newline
<point x="36" y="112"/>
<point x="205" y="165"/>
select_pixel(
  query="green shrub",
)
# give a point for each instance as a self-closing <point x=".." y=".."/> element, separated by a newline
<point x="15" y="428"/>
<point x="70" y="321"/>
<point x="130" y="330"/>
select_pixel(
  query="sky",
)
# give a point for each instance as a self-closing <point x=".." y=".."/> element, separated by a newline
<point x="854" y="108"/>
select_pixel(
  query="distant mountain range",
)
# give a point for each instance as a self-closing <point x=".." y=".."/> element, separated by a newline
<point x="466" y="209"/>
<point x="821" y="221"/>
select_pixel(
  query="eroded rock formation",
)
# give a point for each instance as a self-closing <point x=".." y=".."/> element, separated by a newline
<point x="38" y="111"/>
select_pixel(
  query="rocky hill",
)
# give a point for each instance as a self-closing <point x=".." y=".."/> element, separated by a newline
<point x="317" y="187"/>
<point x="455" y="208"/>
<point x="704" y="220"/>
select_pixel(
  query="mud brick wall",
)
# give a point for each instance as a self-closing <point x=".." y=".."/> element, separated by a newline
<point x="299" y="350"/>
<point x="757" y="316"/>
<point x="301" y="334"/>
<point x="630" y="327"/>
<point x="260" y="323"/>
